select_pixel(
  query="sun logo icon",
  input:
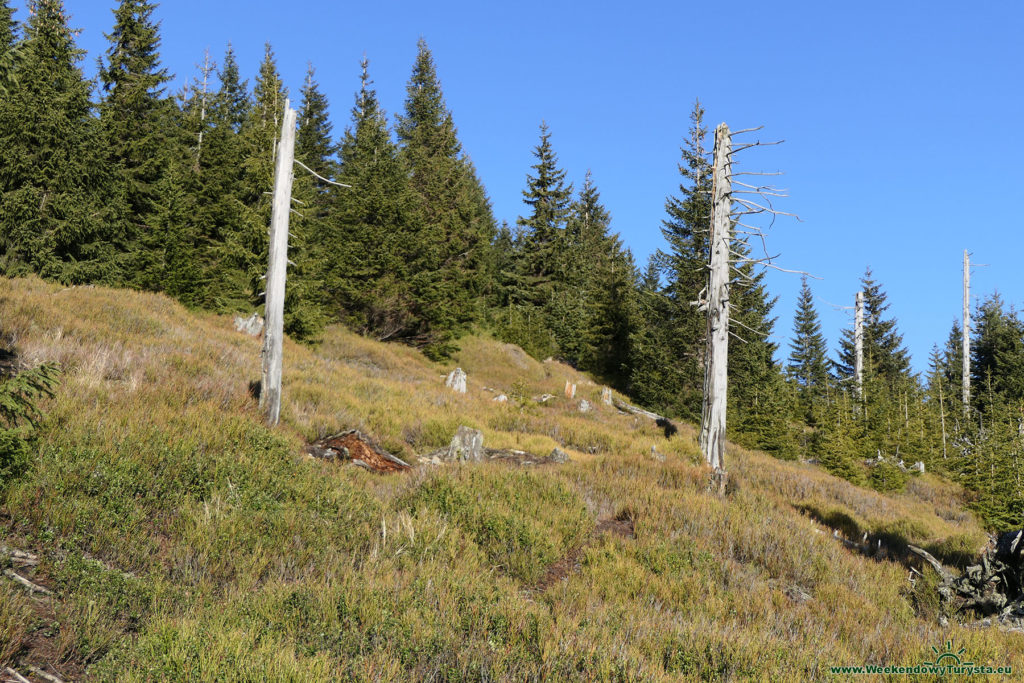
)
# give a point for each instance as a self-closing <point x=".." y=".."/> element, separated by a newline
<point x="948" y="657"/>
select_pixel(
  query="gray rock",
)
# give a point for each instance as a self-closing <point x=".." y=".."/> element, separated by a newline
<point x="466" y="446"/>
<point x="559" y="456"/>
<point x="660" y="457"/>
<point x="585" y="406"/>
<point x="456" y="381"/>
<point x="253" y="325"/>
<point x="500" y="398"/>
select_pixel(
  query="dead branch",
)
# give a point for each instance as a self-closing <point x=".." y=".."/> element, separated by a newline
<point x="748" y="327"/>
<point x="17" y="676"/>
<point x="43" y="674"/>
<point x="946" y="575"/>
<point x="740" y="148"/>
<point x="21" y="556"/>
<point x="320" y="176"/>
<point x="34" y="587"/>
<point x="746" y="130"/>
<point x="764" y="209"/>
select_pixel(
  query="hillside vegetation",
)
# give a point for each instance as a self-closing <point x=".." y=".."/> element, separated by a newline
<point x="185" y="541"/>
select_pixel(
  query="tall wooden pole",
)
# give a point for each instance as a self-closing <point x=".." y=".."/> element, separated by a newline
<point x="965" y="345"/>
<point x="273" y="335"/>
<point x="712" y="425"/>
<point x="858" y="343"/>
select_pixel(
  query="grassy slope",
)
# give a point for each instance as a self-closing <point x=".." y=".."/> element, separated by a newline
<point x="187" y="541"/>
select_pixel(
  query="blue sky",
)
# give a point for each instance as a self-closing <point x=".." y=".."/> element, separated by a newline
<point x="903" y="121"/>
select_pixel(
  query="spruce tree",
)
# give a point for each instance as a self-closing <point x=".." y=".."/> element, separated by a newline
<point x="313" y="144"/>
<point x="454" y="222"/>
<point x="211" y="273"/>
<point x="136" y="122"/>
<point x="808" y="358"/>
<point x="9" y="48"/>
<point x="548" y="197"/>
<point x="884" y="354"/>
<point x="8" y="28"/>
<point x="997" y="354"/>
<point x="370" y="239"/>
<point x="54" y="187"/>
<point x="233" y="101"/>
<point x="675" y="373"/>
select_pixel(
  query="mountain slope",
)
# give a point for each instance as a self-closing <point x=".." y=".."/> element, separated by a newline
<point x="186" y="541"/>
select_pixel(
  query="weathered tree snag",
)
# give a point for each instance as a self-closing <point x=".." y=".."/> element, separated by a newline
<point x="858" y="344"/>
<point x="966" y="341"/>
<point x="712" y="425"/>
<point x="273" y="337"/>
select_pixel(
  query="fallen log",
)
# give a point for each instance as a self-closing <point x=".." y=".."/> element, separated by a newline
<point x="34" y="587"/>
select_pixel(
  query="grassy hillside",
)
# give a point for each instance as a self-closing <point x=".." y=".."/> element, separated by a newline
<point x="186" y="541"/>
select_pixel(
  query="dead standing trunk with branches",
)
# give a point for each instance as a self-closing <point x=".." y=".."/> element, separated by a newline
<point x="713" y="411"/>
<point x="730" y="250"/>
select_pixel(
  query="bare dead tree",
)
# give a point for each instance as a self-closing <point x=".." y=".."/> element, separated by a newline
<point x="736" y="207"/>
<point x="206" y="69"/>
<point x="858" y="344"/>
<point x="273" y="336"/>
<point x="965" y="344"/>
<point x="716" y="384"/>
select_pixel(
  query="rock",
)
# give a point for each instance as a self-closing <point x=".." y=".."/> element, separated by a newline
<point x="466" y="446"/>
<point x="543" y="398"/>
<point x="500" y="398"/>
<point x="559" y="456"/>
<point x="253" y="325"/>
<point x="585" y="406"/>
<point x="660" y="457"/>
<point x="456" y="381"/>
<point x="570" y="390"/>
<point x="917" y="467"/>
<point x="606" y="396"/>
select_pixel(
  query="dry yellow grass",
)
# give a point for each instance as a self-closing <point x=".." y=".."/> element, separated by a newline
<point x="186" y="541"/>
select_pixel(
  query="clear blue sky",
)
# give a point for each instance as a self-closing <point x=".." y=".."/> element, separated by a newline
<point x="903" y="121"/>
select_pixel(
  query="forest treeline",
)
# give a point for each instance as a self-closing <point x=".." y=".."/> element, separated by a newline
<point x="119" y="182"/>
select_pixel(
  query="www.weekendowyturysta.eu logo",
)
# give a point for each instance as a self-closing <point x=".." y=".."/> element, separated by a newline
<point x="948" y="657"/>
<point x="947" y="661"/>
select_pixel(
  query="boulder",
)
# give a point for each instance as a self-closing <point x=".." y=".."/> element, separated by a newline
<point x="585" y="406"/>
<point x="500" y="398"/>
<point x="456" y="381"/>
<point x="559" y="456"/>
<point x="467" y="446"/>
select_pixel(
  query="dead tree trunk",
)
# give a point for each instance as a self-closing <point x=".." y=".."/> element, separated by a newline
<point x="858" y="344"/>
<point x="273" y="336"/>
<point x="712" y="425"/>
<point x="966" y="341"/>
